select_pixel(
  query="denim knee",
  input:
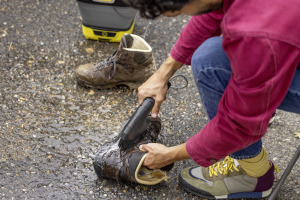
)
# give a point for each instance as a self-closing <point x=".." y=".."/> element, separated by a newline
<point x="209" y="54"/>
<point x="211" y="71"/>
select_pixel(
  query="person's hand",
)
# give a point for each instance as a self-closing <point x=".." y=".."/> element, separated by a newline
<point x="156" y="156"/>
<point x="159" y="155"/>
<point x="157" y="85"/>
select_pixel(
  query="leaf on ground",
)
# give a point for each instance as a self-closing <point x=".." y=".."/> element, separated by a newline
<point x="89" y="50"/>
<point x="297" y="135"/>
<point x="91" y="92"/>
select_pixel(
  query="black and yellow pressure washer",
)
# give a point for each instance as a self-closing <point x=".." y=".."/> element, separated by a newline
<point x="106" y="20"/>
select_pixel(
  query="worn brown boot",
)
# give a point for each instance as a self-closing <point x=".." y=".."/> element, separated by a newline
<point x="131" y="64"/>
<point x="119" y="164"/>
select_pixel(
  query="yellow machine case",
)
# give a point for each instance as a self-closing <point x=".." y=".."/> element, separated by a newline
<point x="106" y="20"/>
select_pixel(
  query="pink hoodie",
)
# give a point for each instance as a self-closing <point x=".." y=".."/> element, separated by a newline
<point x="262" y="41"/>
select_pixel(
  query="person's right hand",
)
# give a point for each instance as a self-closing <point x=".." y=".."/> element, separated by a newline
<point x="157" y="85"/>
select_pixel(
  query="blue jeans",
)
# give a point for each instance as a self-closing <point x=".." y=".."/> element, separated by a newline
<point x="211" y="71"/>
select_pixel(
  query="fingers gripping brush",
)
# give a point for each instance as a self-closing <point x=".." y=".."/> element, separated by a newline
<point x="135" y="128"/>
<point x="121" y="158"/>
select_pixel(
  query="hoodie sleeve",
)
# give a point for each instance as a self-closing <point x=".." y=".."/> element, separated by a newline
<point x="198" y="29"/>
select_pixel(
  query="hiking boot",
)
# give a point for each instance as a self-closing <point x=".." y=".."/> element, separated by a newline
<point x="131" y="64"/>
<point x="126" y="164"/>
<point x="226" y="180"/>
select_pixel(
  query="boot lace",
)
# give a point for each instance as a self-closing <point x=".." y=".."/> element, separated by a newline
<point x="110" y="61"/>
<point x="223" y="167"/>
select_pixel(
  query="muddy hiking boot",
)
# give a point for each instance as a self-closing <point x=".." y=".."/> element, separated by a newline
<point x="126" y="165"/>
<point x="131" y="64"/>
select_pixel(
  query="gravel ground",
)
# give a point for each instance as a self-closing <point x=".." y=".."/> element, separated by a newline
<point x="51" y="128"/>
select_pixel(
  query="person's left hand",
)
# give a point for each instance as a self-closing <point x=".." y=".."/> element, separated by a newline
<point x="157" y="155"/>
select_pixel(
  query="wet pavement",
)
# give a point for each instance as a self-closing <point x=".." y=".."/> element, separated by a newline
<point x="51" y="128"/>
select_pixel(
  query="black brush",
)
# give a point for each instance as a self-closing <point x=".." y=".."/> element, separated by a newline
<point x="135" y="128"/>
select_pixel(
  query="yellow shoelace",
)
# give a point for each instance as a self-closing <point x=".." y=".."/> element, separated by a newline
<point x="223" y="167"/>
<point x="276" y="168"/>
<point x="227" y="165"/>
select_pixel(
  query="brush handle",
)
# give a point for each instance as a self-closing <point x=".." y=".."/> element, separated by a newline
<point x="137" y="124"/>
<point x="138" y="119"/>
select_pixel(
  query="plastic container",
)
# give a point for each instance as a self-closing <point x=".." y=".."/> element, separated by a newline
<point x="106" y="20"/>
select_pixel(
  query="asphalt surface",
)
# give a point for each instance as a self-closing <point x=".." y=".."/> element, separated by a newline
<point x="51" y="128"/>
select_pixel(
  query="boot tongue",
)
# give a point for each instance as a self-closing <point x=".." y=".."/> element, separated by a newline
<point x="127" y="41"/>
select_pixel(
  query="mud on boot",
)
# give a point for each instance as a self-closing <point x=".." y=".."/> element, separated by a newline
<point x="119" y="164"/>
<point x="131" y="64"/>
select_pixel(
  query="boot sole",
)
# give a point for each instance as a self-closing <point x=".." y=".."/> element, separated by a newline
<point x="131" y="85"/>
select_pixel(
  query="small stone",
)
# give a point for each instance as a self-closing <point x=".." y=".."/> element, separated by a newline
<point x="91" y="92"/>
<point x="89" y="50"/>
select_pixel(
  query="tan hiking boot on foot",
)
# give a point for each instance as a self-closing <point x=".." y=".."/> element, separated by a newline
<point x="226" y="180"/>
<point x="131" y="64"/>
